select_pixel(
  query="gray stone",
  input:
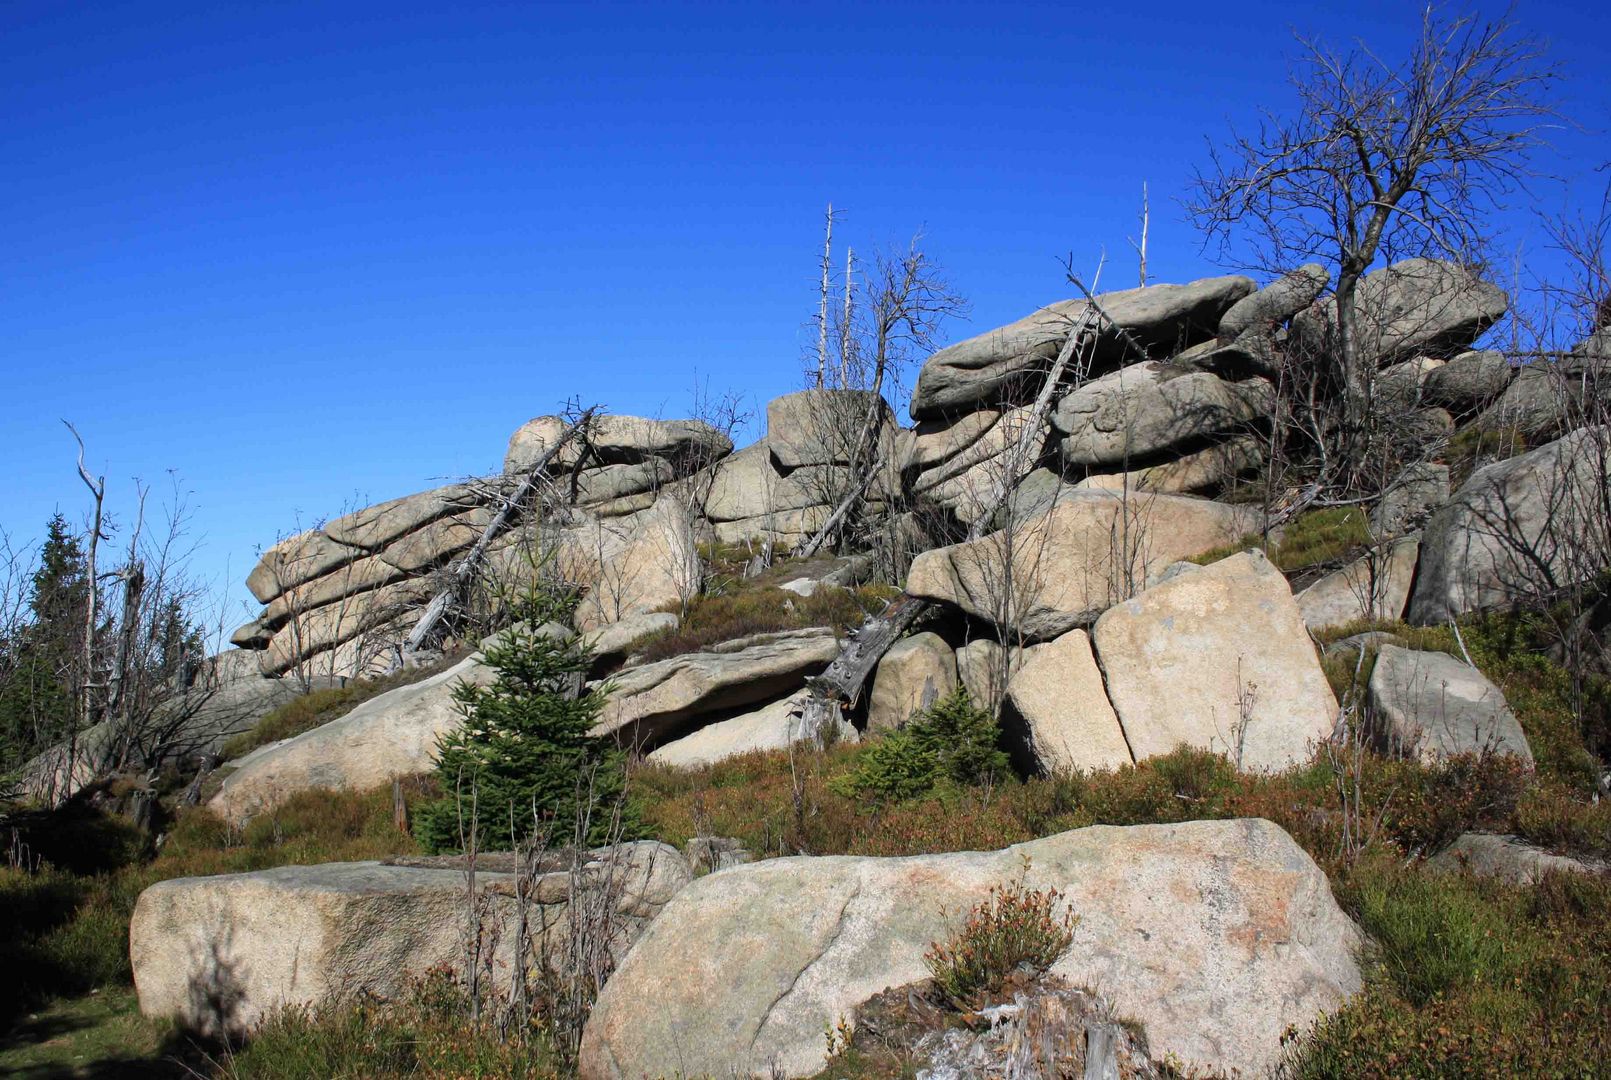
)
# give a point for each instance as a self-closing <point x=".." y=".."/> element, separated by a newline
<point x="311" y="632"/>
<point x="1517" y="530"/>
<point x="985" y="667"/>
<point x="1217" y="659"/>
<point x="618" y="440"/>
<point x="1048" y="574"/>
<point x="1276" y="302"/>
<point x="620" y="637"/>
<point x="656" y="702"/>
<point x="915" y="673"/>
<point x="1200" y="472"/>
<point x="432" y="544"/>
<point x="647" y="563"/>
<point x="749" y="485"/>
<point x="221" y="954"/>
<point x="998" y="367"/>
<point x="1398" y="386"/>
<point x="391" y="734"/>
<point x="823" y="427"/>
<point x="1057" y="699"/>
<point x="615" y="482"/>
<point x="1467" y="382"/>
<point x="1418" y="306"/>
<point x="772" y="727"/>
<point x="1548" y="398"/>
<point x="1374" y="586"/>
<point x="1508" y="858"/>
<point x="297" y="560"/>
<point x="938" y="441"/>
<point x="1216" y="936"/>
<point x="376" y="526"/>
<point x="1431" y="706"/>
<point x="1410" y="499"/>
<point x="707" y="854"/>
<point x="1140" y="411"/>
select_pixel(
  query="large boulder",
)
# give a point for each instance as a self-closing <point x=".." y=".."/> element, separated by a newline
<point x="374" y="527"/>
<point x="221" y="954"/>
<point x="644" y="563"/>
<point x="1217" y="658"/>
<point x="1508" y="858"/>
<point x="1467" y="382"/>
<point x="823" y="427"/>
<point x="1140" y="411"/>
<point x="297" y="560"/>
<point x="970" y="481"/>
<point x="309" y="633"/>
<point x="1431" y="706"/>
<point x="1418" y="306"/>
<point x="938" y="441"/>
<point x="985" y="667"/>
<point x="748" y="485"/>
<point x="392" y="734"/>
<point x="915" y="673"/>
<point x="1410" y="499"/>
<point x="618" y="440"/>
<point x="656" y="702"/>
<point x="1051" y="572"/>
<point x="998" y="367"/>
<point x="1217" y="937"/>
<point x="1374" y="586"/>
<point x="771" y="727"/>
<point x="1518" y="530"/>
<point x="1205" y="470"/>
<point x="1276" y="302"/>
<point x="1549" y="397"/>
<point x="1057" y="702"/>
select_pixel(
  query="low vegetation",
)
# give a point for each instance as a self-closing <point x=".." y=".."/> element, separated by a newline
<point x="760" y="608"/>
<point x="1467" y="976"/>
<point x="1316" y="538"/>
<point x="318" y="707"/>
<point x="1013" y="928"/>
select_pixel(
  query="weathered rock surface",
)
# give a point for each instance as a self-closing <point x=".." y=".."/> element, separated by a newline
<point x="1431" y="706"/>
<point x="309" y="633"/>
<point x="295" y="561"/>
<point x="1516" y="529"/>
<point x="647" y="562"/>
<point x="1061" y="569"/>
<point x="996" y="367"/>
<point x="1410" y="499"/>
<point x="772" y="727"/>
<point x="822" y="427"/>
<point x="1374" y="586"/>
<point x="1142" y="410"/>
<point x="1508" y="858"/>
<point x="391" y="734"/>
<point x="1216" y="936"/>
<point x="219" y="954"/>
<point x="915" y="673"/>
<point x="985" y="667"/>
<point x="748" y="485"/>
<point x="655" y="702"/>
<point x="1547" y="398"/>
<point x="1418" y="306"/>
<point x="372" y="528"/>
<point x="1467" y="382"/>
<point x="1276" y="302"/>
<point x="1219" y="659"/>
<point x="618" y="638"/>
<point x="1203" y="470"/>
<point x="1057" y="699"/>
<point x="616" y="440"/>
<point x="1398" y="386"/>
<point x="938" y="441"/>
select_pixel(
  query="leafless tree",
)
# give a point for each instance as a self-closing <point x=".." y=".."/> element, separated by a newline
<point x="1382" y="159"/>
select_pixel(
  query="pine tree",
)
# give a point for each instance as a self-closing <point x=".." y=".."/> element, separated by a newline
<point x="37" y="665"/>
<point x="524" y="765"/>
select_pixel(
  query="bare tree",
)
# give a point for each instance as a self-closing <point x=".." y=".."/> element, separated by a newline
<point x="1382" y="159"/>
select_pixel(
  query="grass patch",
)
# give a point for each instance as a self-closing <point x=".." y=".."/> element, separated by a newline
<point x="319" y="707"/>
<point x="760" y="608"/>
<point x="1472" y="447"/>
<point x="1312" y="539"/>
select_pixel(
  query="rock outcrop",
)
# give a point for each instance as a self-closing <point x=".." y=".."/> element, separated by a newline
<point x="1430" y="706"/>
<point x="914" y="674"/>
<point x="1517" y="529"/>
<point x="1061" y="569"/>
<point x="1217" y="658"/>
<point x="1215" y="936"/>
<point x="1058" y="705"/>
<point x="220" y="954"/>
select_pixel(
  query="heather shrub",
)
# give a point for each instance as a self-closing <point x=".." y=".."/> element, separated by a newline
<point x="1013" y="926"/>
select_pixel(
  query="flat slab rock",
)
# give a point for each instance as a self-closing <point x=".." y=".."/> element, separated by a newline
<point x="1431" y="705"/>
<point x="1217" y="936"/>
<point x="1509" y="858"/>
<point x="218" y="954"/>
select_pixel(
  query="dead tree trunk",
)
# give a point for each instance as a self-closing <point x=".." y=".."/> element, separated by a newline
<point x="461" y="572"/>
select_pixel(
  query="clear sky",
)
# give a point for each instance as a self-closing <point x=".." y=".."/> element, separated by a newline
<point x="311" y="255"/>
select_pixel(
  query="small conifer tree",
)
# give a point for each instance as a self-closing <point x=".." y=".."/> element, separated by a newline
<point x="523" y="766"/>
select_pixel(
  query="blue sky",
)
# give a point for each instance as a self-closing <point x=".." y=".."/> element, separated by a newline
<point x="306" y="256"/>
